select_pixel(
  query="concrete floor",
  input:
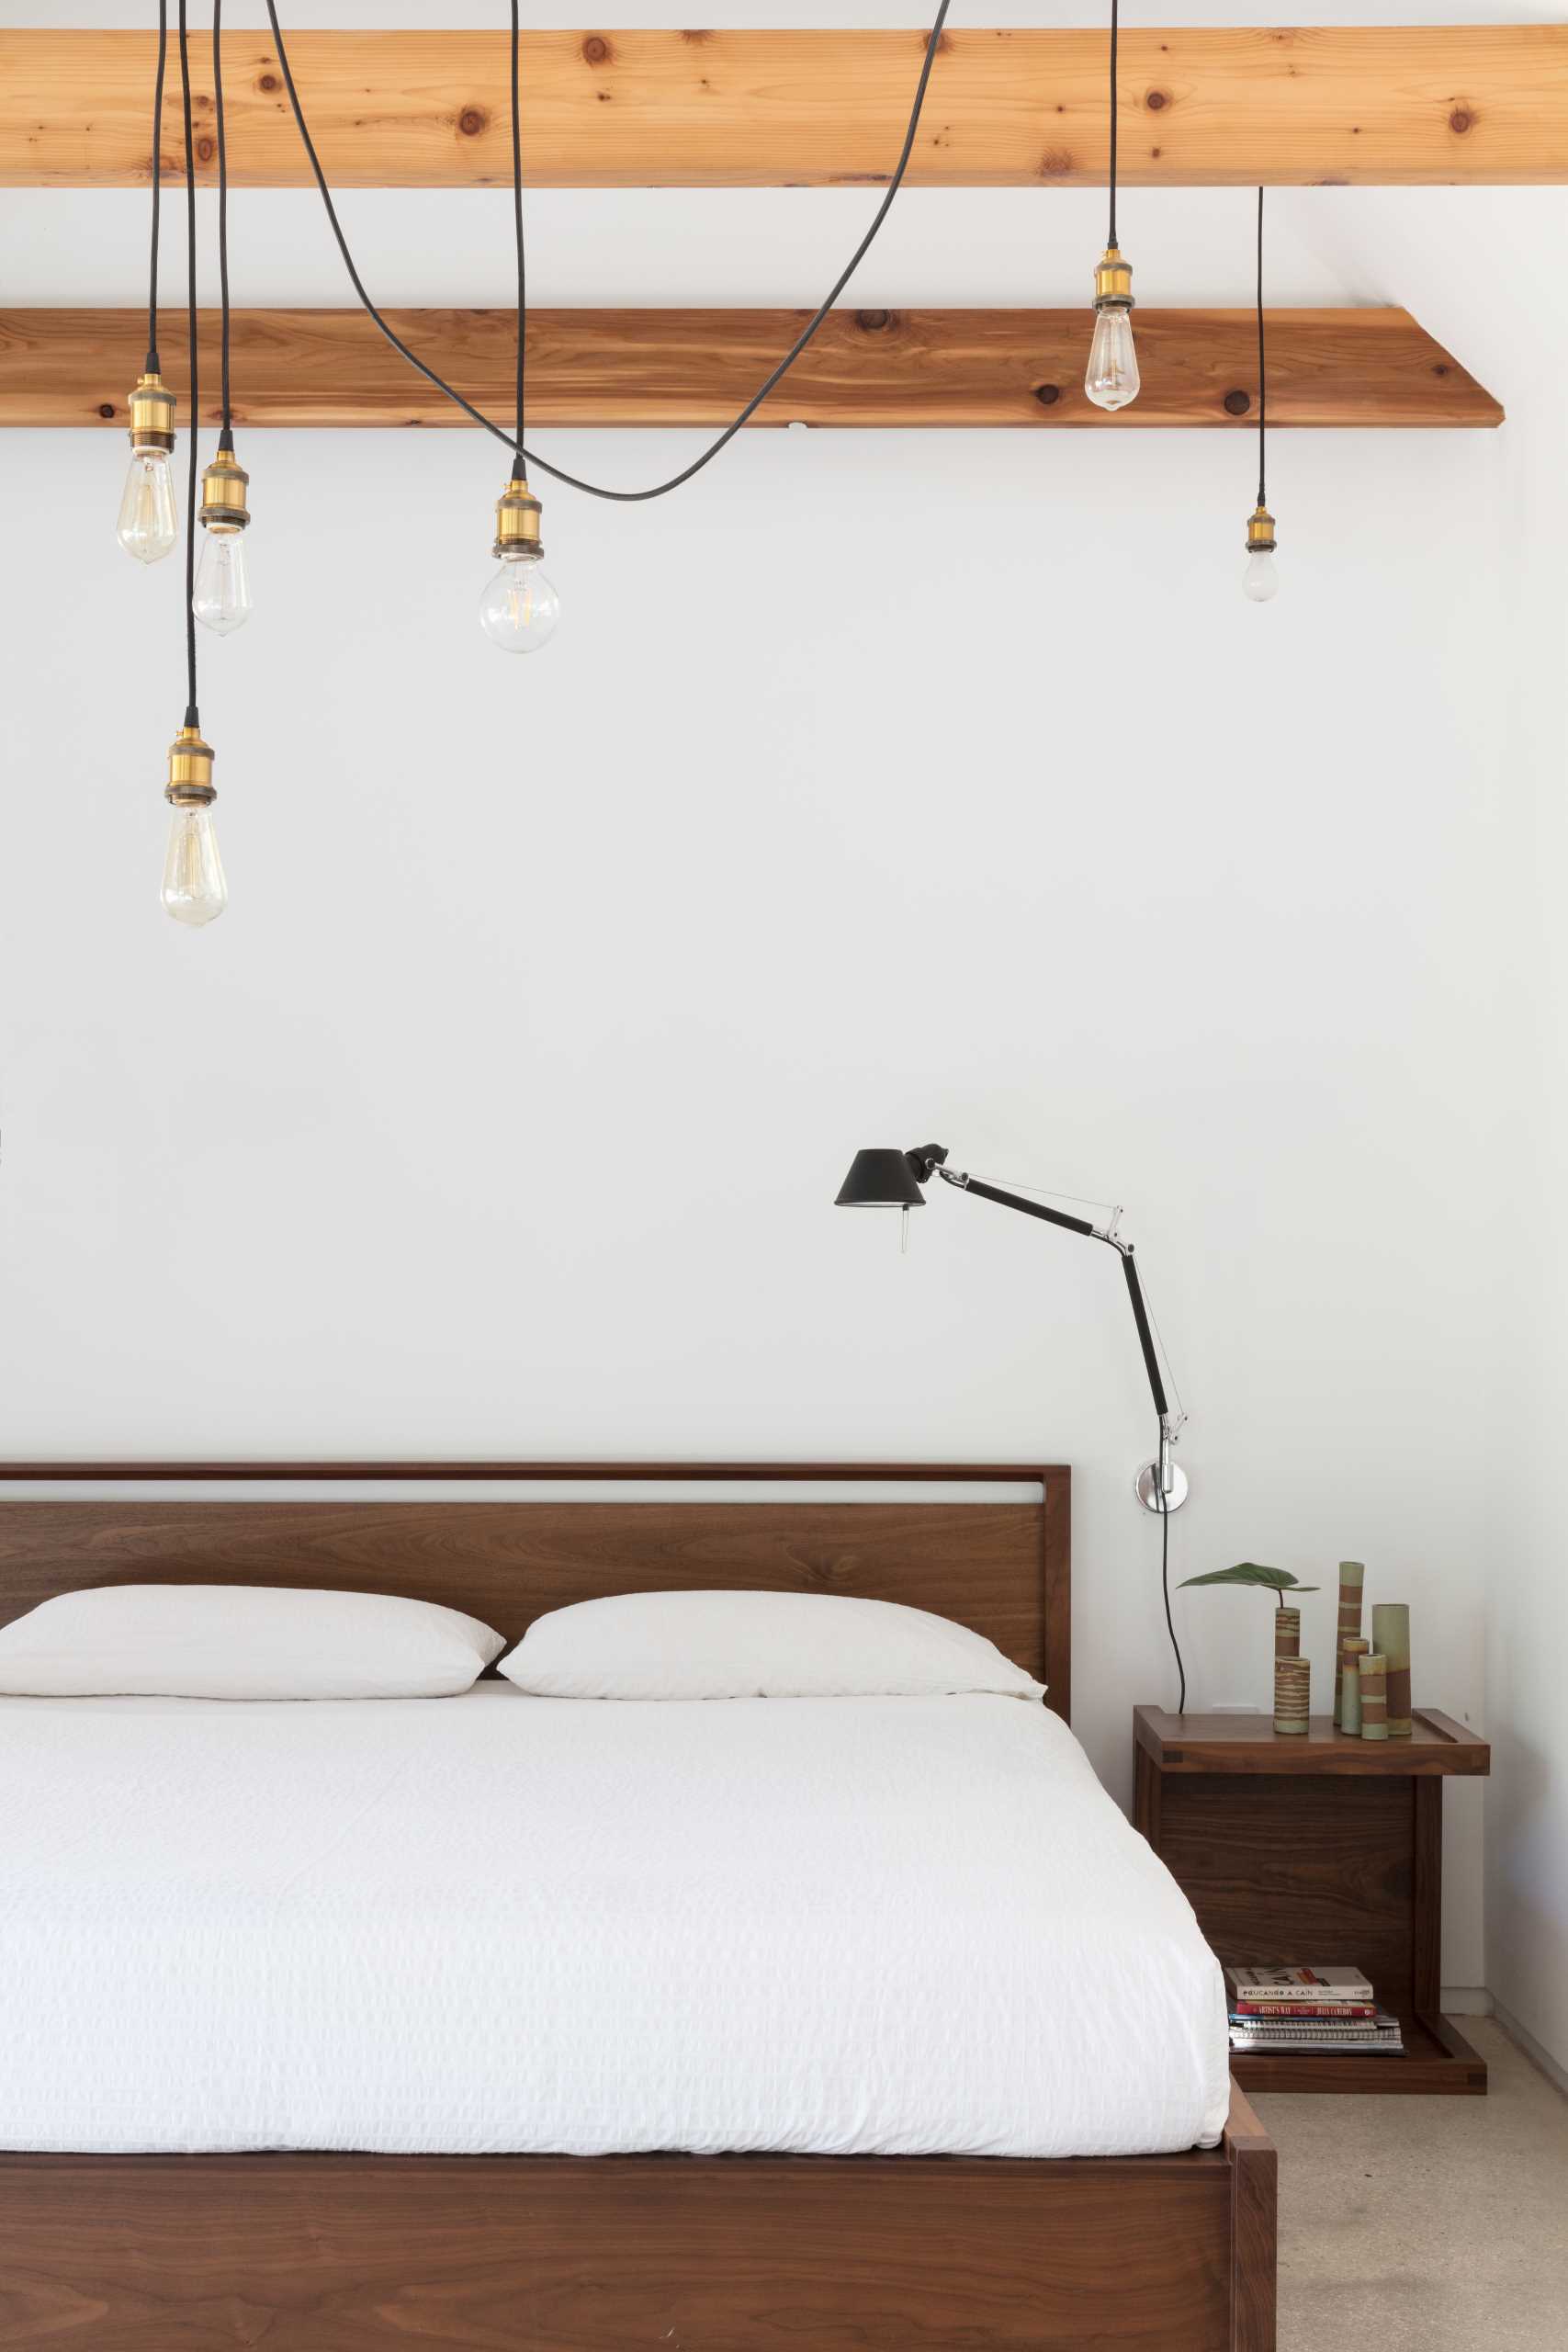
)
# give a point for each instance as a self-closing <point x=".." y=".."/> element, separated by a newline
<point x="1425" y="2224"/>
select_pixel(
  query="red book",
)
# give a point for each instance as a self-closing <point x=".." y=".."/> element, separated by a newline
<point x="1300" y="2009"/>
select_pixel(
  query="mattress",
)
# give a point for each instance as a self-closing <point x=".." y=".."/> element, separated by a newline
<point x="496" y="1922"/>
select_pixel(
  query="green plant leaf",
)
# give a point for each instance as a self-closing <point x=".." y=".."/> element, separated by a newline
<point x="1249" y="1572"/>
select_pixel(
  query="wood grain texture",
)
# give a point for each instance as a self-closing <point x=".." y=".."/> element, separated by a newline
<point x="1388" y="104"/>
<point x="1002" y="1568"/>
<point x="1255" y="2175"/>
<point x="1439" y="1747"/>
<point x="1334" y="1858"/>
<point x="1360" y="367"/>
<point x="496" y="2254"/>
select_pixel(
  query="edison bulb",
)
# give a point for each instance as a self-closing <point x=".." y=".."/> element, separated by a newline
<point x="1260" y="581"/>
<point x="222" y="597"/>
<point x="1111" y="378"/>
<point x="146" y="528"/>
<point x="194" y="890"/>
<point x="519" y="609"/>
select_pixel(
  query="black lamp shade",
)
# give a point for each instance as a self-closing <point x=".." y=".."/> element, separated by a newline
<point x="880" y="1180"/>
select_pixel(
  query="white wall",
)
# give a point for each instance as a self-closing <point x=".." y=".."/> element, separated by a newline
<point x="502" y="1112"/>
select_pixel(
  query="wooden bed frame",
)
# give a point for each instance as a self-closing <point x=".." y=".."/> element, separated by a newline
<point x="327" y="2253"/>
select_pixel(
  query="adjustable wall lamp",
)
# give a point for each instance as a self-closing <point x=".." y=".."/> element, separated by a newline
<point x="893" y="1180"/>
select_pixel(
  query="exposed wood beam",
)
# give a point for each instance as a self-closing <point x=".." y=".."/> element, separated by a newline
<point x="670" y="368"/>
<point x="1392" y="105"/>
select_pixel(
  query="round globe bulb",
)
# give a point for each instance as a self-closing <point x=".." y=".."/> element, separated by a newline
<point x="519" y="609"/>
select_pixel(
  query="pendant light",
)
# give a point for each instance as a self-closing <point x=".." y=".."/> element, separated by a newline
<point x="1111" y="379"/>
<point x="1258" y="582"/>
<point x="146" y="529"/>
<point x="221" y="595"/>
<point x="519" y="609"/>
<point x="194" y="891"/>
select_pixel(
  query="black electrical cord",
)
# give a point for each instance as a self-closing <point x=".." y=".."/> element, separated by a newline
<point x="574" y="481"/>
<point x="517" y="228"/>
<point x="226" y="437"/>
<point x="1165" y="1573"/>
<point x="1262" y="379"/>
<point x="151" y="369"/>
<point x="191" y="718"/>
<point x="1115" y="29"/>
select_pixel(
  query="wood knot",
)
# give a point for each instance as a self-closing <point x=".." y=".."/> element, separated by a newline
<point x="1048" y="394"/>
<point x="1441" y="369"/>
<point x="1461" y="119"/>
<point x="1237" y="404"/>
<point x="695" y="35"/>
<point x="269" y="82"/>
<point x="205" y="149"/>
<point x="1155" y="100"/>
<point x="105" y="408"/>
<point x="873" y="321"/>
<point x="472" y="121"/>
<point x="1054" y="163"/>
<point x="597" y="49"/>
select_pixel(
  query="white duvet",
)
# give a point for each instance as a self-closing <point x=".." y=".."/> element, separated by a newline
<point x="843" y="1925"/>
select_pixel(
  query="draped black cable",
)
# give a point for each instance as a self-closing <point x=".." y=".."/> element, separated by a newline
<point x="157" y="186"/>
<point x="517" y="227"/>
<point x="1262" y="379"/>
<point x="1164" y="1572"/>
<point x="556" y="473"/>
<point x="191" y="718"/>
<point x="226" y="438"/>
<point x="1115" y="29"/>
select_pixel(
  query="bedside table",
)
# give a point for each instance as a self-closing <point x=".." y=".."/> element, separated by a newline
<point x="1326" y="1851"/>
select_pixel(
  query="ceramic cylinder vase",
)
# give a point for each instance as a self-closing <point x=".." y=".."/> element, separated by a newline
<point x="1287" y="1634"/>
<point x="1351" y="1657"/>
<point x="1292" y="1695"/>
<point x="1353" y="1575"/>
<point x="1374" y="1696"/>
<point x="1391" y="1635"/>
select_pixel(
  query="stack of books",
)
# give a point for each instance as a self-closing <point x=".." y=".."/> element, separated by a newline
<point x="1330" y="2010"/>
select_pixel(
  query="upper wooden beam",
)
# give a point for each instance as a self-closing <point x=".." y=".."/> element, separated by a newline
<point x="1390" y="105"/>
<point x="665" y="368"/>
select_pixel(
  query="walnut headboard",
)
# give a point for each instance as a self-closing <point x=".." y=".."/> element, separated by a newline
<point x="1001" y="1567"/>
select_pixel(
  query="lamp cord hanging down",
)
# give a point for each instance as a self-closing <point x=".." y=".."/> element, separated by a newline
<point x="191" y="718"/>
<point x="517" y="229"/>
<point x="1115" y="29"/>
<point x="226" y="437"/>
<point x="1262" y="375"/>
<point x="514" y="441"/>
<point x="1165" y="1590"/>
<point x="157" y="186"/>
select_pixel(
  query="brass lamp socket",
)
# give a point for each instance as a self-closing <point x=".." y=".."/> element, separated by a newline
<point x="1260" y="537"/>
<point x="152" y="414"/>
<point x="517" y="512"/>
<point x="190" y="771"/>
<point x="1112" y="282"/>
<point x="223" y="487"/>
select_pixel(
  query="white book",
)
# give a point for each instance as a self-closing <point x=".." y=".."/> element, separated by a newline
<point x="1313" y="1987"/>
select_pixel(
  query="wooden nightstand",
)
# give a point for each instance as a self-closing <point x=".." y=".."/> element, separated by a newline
<point x="1324" y="1850"/>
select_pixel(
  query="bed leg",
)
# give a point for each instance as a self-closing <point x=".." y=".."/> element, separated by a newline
<point x="1254" y="2164"/>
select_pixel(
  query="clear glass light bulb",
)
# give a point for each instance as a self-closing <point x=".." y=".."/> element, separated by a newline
<point x="519" y="609"/>
<point x="1111" y="378"/>
<point x="222" y="597"/>
<point x="147" y="510"/>
<point x="1259" y="580"/>
<point x="194" y="890"/>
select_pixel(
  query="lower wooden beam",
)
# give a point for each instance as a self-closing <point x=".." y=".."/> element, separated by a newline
<point x="697" y="367"/>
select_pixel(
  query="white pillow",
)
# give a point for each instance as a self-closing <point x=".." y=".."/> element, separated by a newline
<point x="229" y="1640"/>
<point x="754" y="1646"/>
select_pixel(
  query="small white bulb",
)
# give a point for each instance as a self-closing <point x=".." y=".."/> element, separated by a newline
<point x="1260" y="581"/>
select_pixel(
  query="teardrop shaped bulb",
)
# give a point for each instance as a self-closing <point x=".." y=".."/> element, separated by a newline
<point x="1260" y="581"/>
<point x="222" y="598"/>
<point x="1111" y="379"/>
<point x="194" y="890"/>
<point x="519" y="609"/>
<point x="146" y="528"/>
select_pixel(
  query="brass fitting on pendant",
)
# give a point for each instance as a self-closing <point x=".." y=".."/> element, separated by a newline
<point x="517" y="512"/>
<point x="223" y="487"/>
<point x="190" y="782"/>
<point x="152" y="414"/>
<point x="1260" y="537"/>
<point x="1112" y="282"/>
